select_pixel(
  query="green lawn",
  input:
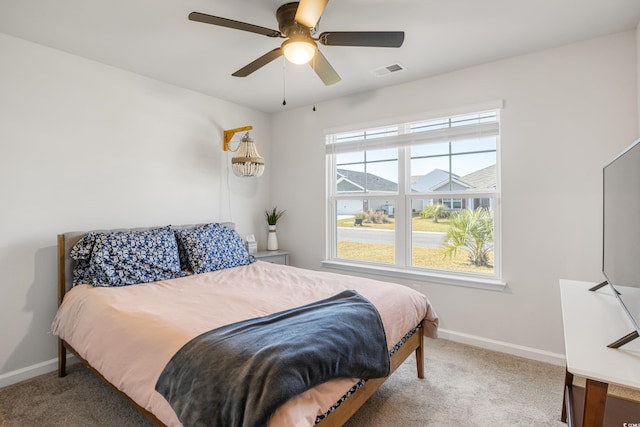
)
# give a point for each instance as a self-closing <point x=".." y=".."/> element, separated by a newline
<point x="422" y="257"/>
<point x="418" y="224"/>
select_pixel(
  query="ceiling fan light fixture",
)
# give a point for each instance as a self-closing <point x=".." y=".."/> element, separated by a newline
<point x="299" y="51"/>
<point x="298" y="22"/>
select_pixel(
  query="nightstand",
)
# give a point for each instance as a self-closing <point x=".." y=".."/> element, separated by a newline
<point x="274" y="257"/>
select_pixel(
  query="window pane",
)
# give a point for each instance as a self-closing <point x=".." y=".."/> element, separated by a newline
<point x="453" y="234"/>
<point x="365" y="230"/>
<point x="429" y="125"/>
<point x="349" y="180"/>
<point x="379" y="133"/>
<point x="350" y="136"/>
<point x="370" y="171"/>
<point x="346" y="158"/>
<point x="383" y="176"/>
<point x="471" y="119"/>
<point x="472" y="145"/>
<point x="430" y="174"/>
<point x="366" y="134"/>
<point x="430" y="149"/>
<point x="475" y="171"/>
<point x="388" y="154"/>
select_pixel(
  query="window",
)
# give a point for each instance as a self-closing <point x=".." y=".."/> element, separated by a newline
<point x="417" y="198"/>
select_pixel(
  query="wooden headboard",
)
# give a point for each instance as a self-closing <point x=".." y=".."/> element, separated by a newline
<point x="67" y="240"/>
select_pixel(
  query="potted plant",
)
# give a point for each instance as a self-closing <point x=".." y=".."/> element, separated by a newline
<point x="272" y="217"/>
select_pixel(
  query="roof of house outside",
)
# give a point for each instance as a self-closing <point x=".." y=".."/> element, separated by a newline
<point x="484" y="178"/>
<point x="432" y="181"/>
<point x="367" y="180"/>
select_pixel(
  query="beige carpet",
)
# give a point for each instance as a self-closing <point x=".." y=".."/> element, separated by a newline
<point x="463" y="386"/>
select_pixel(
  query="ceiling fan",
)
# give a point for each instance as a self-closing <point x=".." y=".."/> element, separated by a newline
<point x="297" y="23"/>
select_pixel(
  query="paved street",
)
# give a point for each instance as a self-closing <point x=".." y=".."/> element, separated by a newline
<point x="367" y="235"/>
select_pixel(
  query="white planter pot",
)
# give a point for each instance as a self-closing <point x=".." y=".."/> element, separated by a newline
<point x="272" y="239"/>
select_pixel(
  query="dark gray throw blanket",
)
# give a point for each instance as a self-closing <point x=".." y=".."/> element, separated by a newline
<point x="239" y="374"/>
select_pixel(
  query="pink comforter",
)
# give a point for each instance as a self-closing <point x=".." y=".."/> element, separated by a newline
<point x="129" y="333"/>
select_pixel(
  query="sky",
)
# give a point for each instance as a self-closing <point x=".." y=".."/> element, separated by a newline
<point x="465" y="157"/>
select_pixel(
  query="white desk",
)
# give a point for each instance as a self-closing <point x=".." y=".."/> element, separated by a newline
<point x="592" y="320"/>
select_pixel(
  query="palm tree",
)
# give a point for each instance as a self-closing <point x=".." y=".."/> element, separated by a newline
<point x="435" y="211"/>
<point x="473" y="232"/>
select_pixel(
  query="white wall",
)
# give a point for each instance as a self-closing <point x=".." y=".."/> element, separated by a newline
<point x="567" y="112"/>
<point x="638" y="70"/>
<point x="84" y="145"/>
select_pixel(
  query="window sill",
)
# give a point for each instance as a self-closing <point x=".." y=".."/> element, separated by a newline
<point x="431" y="277"/>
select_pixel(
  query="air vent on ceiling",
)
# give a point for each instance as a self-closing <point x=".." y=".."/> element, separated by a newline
<point x="389" y="69"/>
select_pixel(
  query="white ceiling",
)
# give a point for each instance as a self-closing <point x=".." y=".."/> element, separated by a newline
<point x="154" y="38"/>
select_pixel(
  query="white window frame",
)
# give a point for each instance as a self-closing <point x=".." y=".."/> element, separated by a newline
<point x="403" y="199"/>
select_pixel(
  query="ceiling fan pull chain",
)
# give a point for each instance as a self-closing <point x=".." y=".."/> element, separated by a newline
<point x="313" y="66"/>
<point x="284" y="84"/>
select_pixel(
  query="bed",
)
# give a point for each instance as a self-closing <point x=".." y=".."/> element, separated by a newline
<point x="128" y="334"/>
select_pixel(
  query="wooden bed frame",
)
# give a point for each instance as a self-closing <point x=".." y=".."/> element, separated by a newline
<point x="335" y="419"/>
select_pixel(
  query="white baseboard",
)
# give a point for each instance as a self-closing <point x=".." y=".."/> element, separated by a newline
<point x="504" y="347"/>
<point x="23" y="374"/>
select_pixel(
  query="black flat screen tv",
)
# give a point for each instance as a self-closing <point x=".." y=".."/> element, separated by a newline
<point x="621" y="232"/>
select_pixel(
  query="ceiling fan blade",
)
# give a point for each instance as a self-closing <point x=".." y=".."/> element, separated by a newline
<point x="230" y="23"/>
<point x="324" y="70"/>
<point x="309" y="12"/>
<point x="258" y="63"/>
<point x="362" y="38"/>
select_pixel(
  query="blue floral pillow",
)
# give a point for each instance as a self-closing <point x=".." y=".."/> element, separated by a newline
<point x="212" y="247"/>
<point x="126" y="257"/>
<point x="81" y="253"/>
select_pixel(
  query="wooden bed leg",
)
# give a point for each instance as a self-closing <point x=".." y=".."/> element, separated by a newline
<point x="62" y="289"/>
<point x="62" y="359"/>
<point x="420" y="353"/>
